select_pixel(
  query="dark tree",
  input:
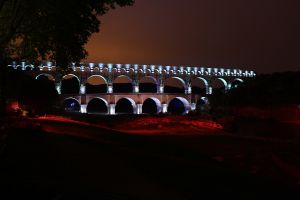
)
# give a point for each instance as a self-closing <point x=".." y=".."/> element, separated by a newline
<point x="50" y="29"/>
<point x="35" y="30"/>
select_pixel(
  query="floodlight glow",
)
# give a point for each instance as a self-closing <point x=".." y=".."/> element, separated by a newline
<point x="228" y="73"/>
<point x="246" y="73"/>
<point x="136" y="89"/>
<point x="82" y="67"/>
<point x="160" y="68"/>
<point x="240" y="72"/>
<point x="14" y="64"/>
<point x="152" y="67"/>
<point x="91" y="65"/>
<point x="49" y="64"/>
<point x="210" y="90"/>
<point x="83" y="108"/>
<point x="161" y="89"/>
<point x="110" y="89"/>
<point x="164" y="108"/>
<point x="193" y="106"/>
<point x="229" y="86"/>
<point x="189" y="90"/>
<point x="100" y="65"/>
<point x="58" y="89"/>
<point x="82" y="89"/>
<point x="139" y="109"/>
<point x="209" y="70"/>
<point x="112" y="110"/>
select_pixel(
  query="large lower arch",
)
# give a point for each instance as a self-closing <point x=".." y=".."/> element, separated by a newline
<point x="152" y="106"/>
<point x="219" y="86"/>
<point x="97" y="106"/>
<point x="125" y="106"/>
<point x="71" y="105"/>
<point x="70" y="84"/>
<point x="178" y="105"/>
<point x="174" y="85"/>
<point x="148" y="84"/>
<point x="199" y="86"/>
<point x="96" y="84"/>
<point x="122" y="84"/>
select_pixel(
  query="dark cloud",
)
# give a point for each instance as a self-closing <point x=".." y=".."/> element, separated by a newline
<point x="259" y="35"/>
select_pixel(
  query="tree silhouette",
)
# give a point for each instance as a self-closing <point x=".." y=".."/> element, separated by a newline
<point x="50" y="29"/>
<point x="35" y="30"/>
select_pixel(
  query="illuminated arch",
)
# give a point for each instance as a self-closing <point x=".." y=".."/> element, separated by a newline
<point x="236" y="82"/>
<point x="46" y="83"/>
<point x="224" y="82"/>
<point x="96" y="69"/>
<point x="70" y="84"/>
<point x="96" y="84"/>
<point x="94" y="80"/>
<point x="174" y="85"/>
<point x="148" y="72"/>
<point x="126" y="105"/>
<point x="123" y="71"/>
<point x="122" y="84"/>
<point x="219" y="85"/>
<point x="148" y="84"/>
<point x="199" y="85"/>
<point x="97" y="105"/>
<point x="48" y="76"/>
<point x="29" y="67"/>
<point x="148" y="79"/>
<point x="178" y="105"/>
<point x="152" y="105"/>
<point x="238" y="79"/>
<point x="69" y="76"/>
<point x="140" y="72"/>
<point x="71" y="105"/>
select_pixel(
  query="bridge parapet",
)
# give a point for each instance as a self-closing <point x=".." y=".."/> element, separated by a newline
<point x="137" y="68"/>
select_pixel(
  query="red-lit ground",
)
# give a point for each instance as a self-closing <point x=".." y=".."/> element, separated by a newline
<point x="63" y="158"/>
<point x="170" y="125"/>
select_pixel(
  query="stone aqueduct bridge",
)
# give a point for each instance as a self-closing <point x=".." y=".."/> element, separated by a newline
<point x="127" y="88"/>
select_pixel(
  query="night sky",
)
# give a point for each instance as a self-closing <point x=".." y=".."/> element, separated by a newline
<point x="261" y="35"/>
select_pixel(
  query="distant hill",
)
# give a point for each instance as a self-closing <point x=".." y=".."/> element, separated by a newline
<point x="264" y="90"/>
<point x="267" y="96"/>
